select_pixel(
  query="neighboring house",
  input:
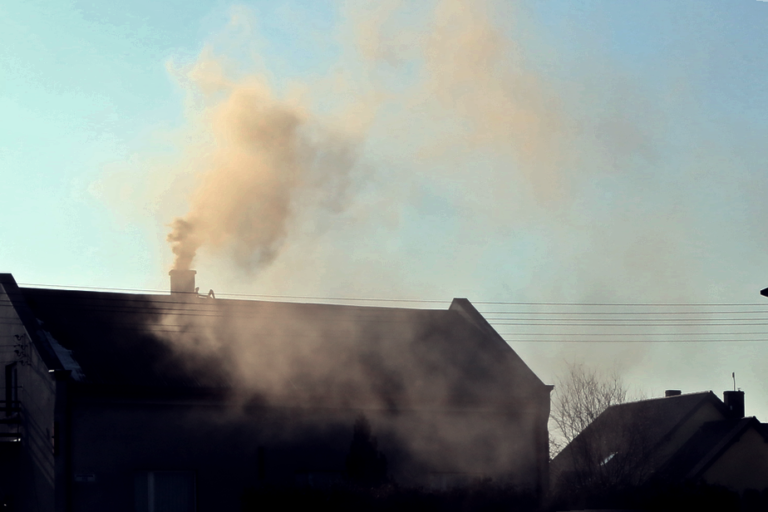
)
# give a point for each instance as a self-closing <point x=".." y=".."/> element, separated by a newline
<point x="693" y="438"/>
<point x="126" y="402"/>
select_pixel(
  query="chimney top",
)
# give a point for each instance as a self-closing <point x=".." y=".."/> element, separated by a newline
<point x="734" y="401"/>
<point x="182" y="281"/>
<point x="672" y="392"/>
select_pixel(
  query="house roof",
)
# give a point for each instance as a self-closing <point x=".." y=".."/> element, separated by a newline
<point x="372" y="355"/>
<point x="709" y="442"/>
<point x="658" y="417"/>
<point x="630" y="428"/>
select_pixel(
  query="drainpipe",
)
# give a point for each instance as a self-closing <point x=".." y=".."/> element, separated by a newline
<point x="544" y="398"/>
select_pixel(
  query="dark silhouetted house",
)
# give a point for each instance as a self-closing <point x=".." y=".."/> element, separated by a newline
<point x="128" y="402"/>
<point x="679" y="439"/>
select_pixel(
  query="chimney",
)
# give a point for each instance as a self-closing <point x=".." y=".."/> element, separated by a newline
<point x="182" y="281"/>
<point x="672" y="392"/>
<point x="734" y="401"/>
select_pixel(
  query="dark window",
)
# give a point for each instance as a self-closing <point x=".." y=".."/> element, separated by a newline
<point x="165" y="491"/>
<point x="11" y="388"/>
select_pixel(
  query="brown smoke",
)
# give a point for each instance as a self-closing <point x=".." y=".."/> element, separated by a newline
<point x="474" y="90"/>
<point x="449" y="94"/>
<point x="266" y="158"/>
<point x="481" y="76"/>
<point x="270" y="157"/>
<point x="450" y="88"/>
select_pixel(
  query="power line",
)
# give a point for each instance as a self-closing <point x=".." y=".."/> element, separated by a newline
<point x="219" y="294"/>
<point x="154" y="306"/>
<point x="668" y="324"/>
<point x="213" y="309"/>
<point x="641" y="341"/>
<point x="617" y="321"/>
<point x="746" y="333"/>
<point x="589" y="313"/>
<point x="626" y="304"/>
<point x="164" y="303"/>
<point x="374" y="299"/>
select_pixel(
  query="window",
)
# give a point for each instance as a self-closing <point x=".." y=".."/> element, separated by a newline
<point x="608" y="458"/>
<point x="165" y="491"/>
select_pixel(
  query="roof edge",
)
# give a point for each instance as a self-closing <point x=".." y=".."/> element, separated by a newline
<point x="19" y="304"/>
<point x="732" y="437"/>
<point x="465" y="308"/>
<point x="705" y="397"/>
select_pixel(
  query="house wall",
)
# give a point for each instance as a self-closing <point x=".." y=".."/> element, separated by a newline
<point x="112" y="441"/>
<point x="33" y="488"/>
<point x="10" y="457"/>
<point x="744" y="465"/>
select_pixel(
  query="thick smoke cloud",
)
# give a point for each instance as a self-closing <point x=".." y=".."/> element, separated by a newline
<point x="443" y="97"/>
<point x="428" y="380"/>
<point x="269" y="158"/>
<point x="319" y="176"/>
<point x="572" y="165"/>
<point x="264" y="158"/>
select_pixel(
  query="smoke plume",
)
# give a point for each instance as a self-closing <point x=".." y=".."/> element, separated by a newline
<point x="269" y="158"/>
<point x="443" y="98"/>
<point x="266" y="158"/>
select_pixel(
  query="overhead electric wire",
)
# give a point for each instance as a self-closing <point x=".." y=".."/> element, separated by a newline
<point x="746" y="333"/>
<point x="210" y="308"/>
<point x="625" y="304"/>
<point x="292" y="297"/>
<point x="635" y="325"/>
<point x="642" y="341"/>
<point x="166" y="305"/>
<point x="545" y="321"/>
<point x="763" y="311"/>
<point x="189" y="304"/>
<point x="205" y="306"/>
<point x="372" y="299"/>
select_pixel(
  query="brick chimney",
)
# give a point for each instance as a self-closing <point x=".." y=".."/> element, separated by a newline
<point x="734" y="401"/>
<point x="182" y="281"/>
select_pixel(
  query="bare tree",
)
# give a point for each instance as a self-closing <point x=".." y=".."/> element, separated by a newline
<point x="609" y="457"/>
<point x="580" y="397"/>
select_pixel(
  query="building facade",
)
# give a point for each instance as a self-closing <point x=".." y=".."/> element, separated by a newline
<point x="180" y="402"/>
<point x="664" y="443"/>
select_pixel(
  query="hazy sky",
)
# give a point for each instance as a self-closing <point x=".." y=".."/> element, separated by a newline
<point x="540" y="152"/>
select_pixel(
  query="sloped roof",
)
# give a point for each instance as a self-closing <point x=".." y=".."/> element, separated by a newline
<point x="658" y="417"/>
<point x="387" y="356"/>
<point x="631" y="428"/>
<point x="709" y="442"/>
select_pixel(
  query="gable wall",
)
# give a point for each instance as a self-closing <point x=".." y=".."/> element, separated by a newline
<point x="744" y="465"/>
<point x="111" y="441"/>
<point x="707" y="412"/>
<point x="34" y="489"/>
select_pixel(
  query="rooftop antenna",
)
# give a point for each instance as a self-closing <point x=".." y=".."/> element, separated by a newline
<point x="734" y="380"/>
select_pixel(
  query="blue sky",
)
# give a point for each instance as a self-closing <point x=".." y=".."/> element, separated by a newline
<point x="636" y="172"/>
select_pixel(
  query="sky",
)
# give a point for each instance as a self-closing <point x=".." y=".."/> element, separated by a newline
<point x="557" y="163"/>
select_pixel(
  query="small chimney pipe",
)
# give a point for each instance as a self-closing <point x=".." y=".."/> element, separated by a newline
<point x="182" y="281"/>
<point x="734" y="401"/>
<point x="672" y="392"/>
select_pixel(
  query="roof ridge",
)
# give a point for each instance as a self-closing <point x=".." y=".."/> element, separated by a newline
<point x="653" y="399"/>
<point x="160" y="297"/>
